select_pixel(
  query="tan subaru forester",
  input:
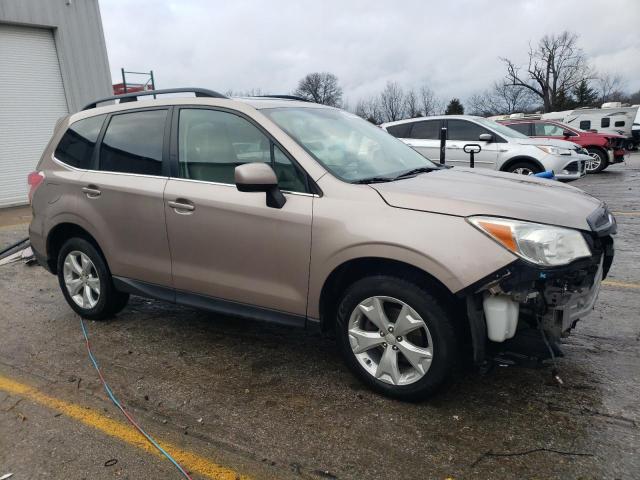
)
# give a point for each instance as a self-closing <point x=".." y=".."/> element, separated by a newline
<point x="284" y="211"/>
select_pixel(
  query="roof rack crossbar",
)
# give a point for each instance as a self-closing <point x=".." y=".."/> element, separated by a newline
<point x="285" y="97"/>
<point x="133" y="97"/>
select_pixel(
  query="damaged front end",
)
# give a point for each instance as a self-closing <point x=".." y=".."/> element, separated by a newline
<point x="526" y="303"/>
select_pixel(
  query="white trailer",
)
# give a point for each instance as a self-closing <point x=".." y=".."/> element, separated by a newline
<point x="611" y="118"/>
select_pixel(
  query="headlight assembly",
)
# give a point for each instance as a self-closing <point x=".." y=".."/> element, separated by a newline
<point x="544" y="245"/>
<point x="554" y="150"/>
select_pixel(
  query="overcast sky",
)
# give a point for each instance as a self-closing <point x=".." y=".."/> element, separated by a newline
<point x="452" y="46"/>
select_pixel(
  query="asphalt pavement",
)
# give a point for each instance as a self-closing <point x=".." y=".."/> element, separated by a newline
<point x="238" y="399"/>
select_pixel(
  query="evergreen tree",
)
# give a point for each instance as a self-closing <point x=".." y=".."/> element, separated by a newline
<point x="584" y="95"/>
<point x="454" y="108"/>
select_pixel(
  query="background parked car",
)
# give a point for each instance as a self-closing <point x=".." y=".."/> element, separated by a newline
<point x="503" y="148"/>
<point x="612" y="118"/>
<point x="604" y="149"/>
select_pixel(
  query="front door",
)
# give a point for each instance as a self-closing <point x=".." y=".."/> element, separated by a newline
<point x="463" y="132"/>
<point x="227" y="244"/>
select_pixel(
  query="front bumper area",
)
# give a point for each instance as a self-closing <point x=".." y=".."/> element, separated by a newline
<point x="567" y="167"/>
<point x="522" y="298"/>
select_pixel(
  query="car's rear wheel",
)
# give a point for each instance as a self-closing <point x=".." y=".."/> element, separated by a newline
<point x="598" y="161"/>
<point x="86" y="281"/>
<point x="524" y="168"/>
<point x="395" y="337"/>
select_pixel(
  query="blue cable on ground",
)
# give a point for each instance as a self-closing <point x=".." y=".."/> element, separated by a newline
<point x="119" y="405"/>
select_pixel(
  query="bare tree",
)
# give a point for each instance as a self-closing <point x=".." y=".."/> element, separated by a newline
<point x="412" y="105"/>
<point x="429" y="104"/>
<point x="556" y="66"/>
<point x="392" y="102"/>
<point x="501" y="99"/>
<point x="320" y="87"/>
<point x="610" y="87"/>
<point x="370" y="110"/>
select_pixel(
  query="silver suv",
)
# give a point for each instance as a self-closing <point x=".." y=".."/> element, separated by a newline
<point x="502" y="147"/>
<point x="290" y="212"/>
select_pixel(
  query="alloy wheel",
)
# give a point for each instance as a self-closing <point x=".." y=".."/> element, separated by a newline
<point x="390" y="340"/>
<point x="81" y="279"/>
<point x="523" y="171"/>
<point x="594" y="163"/>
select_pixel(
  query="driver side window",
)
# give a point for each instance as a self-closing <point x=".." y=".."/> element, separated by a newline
<point x="548" y="130"/>
<point x="212" y="143"/>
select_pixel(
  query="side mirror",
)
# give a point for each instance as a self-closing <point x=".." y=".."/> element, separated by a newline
<point x="260" y="177"/>
<point x="485" y="137"/>
<point x="567" y="133"/>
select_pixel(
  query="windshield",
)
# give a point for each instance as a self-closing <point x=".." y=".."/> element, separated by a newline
<point x="499" y="128"/>
<point x="346" y="145"/>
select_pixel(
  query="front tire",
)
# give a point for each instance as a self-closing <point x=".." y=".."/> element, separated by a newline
<point x="86" y="282"/>
<point x="394" y="335"/>
<point x="598" y="162"/>
<point x="524" y="168"/>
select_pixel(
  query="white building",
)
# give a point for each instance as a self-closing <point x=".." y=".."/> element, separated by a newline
<point x="53" y="61"/>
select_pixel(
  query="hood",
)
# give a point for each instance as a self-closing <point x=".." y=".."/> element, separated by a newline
<point x="544" y="141"/>
<point x="465" y="192"/>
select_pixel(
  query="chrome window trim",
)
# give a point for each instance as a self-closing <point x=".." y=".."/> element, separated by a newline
<point x="61" y="163"/>
<point x="220" y="184"/>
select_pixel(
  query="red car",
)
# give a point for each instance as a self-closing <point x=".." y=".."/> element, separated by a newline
<point x="605" y="149"/>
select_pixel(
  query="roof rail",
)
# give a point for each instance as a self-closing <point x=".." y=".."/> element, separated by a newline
<point x="133" y="97"/>
<point x="284" y="97"/>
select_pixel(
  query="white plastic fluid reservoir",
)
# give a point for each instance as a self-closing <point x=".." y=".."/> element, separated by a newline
<point x="501" y="314"/>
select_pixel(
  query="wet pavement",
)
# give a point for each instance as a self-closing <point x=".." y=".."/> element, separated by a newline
<point x="268" y="402"/>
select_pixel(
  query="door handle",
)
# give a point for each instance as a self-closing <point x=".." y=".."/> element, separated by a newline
<point x="456" y="147"/>
<point x="181" y="206"/>
<point x="91" y="191"/>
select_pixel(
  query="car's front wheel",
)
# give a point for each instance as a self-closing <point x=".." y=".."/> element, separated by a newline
<point x="524" y="168"/>
<point x="86" y="281"/>
<point x="395" y="337"/>
<point x="598" y="161"/>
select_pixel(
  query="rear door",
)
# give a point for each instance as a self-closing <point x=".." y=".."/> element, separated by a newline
<point x="462" y="132"/>
<point x="121" y="196"/>
<point x="424" y="137"/>
<point x="229" y="245"/>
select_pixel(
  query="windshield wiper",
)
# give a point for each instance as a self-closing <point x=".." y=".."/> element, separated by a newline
<point x="374" y="180"/>
<point x="414" y="171"/>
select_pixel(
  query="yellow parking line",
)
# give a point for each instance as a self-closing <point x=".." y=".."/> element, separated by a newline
<point x="614" y="283"/>
<point x="121" y="431"/>
<point x="628" y="214"/>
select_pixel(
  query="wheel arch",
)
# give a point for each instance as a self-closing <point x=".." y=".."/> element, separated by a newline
<point x="354" y="269"/>
<point x="521" y="158"/>
<point x="61" y="233"/>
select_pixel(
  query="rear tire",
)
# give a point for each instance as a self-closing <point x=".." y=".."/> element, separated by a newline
<point x="411" y="350"/>
<point x="599" y="162"/>
<point x="86" y="282"/>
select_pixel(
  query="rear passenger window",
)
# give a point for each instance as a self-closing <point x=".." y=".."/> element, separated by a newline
<point x="605" y="122"/>
<point x="426" y="130"/>
<point x="77" y="144"/>
<point x="619" y="123"/>
<point x="521" y="127"/>
<point x="211" y="144"/>
<point x="133" y="143"/>
<point x="585" y="124"/>
<point x="400" y="131"/>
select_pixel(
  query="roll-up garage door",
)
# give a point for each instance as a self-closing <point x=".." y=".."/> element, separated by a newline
<point x="32" y="99"/>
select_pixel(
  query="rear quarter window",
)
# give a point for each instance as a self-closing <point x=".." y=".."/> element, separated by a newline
<point x="400" y="131"/>
<point x="78" y="142"/>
